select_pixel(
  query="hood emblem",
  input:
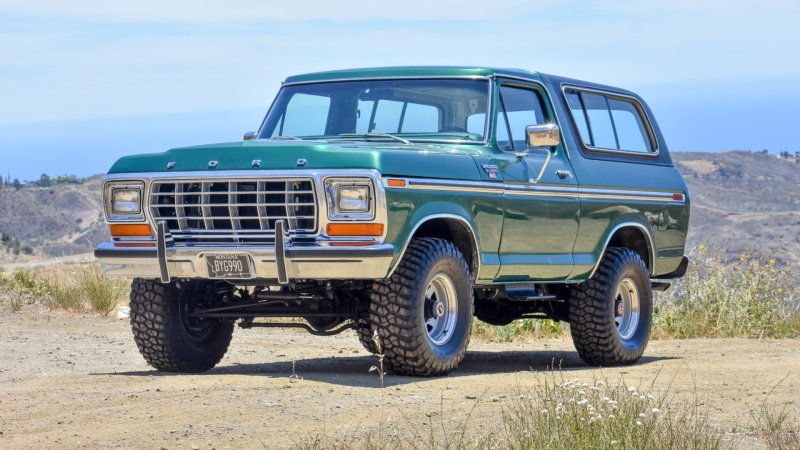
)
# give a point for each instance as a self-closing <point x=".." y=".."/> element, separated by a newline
<point x="301" y="162"/>
<point x="171" y="165"/>
<point x="256" y="163"/>
<point x="212" y="164"/>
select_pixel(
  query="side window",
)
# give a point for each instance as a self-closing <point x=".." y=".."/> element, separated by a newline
<point x="306" y="115"/>
<point x="519" y="107"/>
<point x="600" y="121"/>
<point x="609" y="122"/>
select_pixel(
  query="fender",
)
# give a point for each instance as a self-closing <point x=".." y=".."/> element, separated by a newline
<point x="428" y="218"/>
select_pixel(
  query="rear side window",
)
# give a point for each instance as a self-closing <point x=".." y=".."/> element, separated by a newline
<point x="609" y="122"/>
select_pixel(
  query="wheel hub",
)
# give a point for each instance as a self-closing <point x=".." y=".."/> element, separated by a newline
<point x="626" y="308"/>
<point x="441" y="309"/>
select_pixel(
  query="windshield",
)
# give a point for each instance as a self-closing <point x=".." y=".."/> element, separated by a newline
<point x="416" y="110"/>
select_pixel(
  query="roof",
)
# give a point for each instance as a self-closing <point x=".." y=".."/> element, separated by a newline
<point x="448" y="71"/>
<point x="410" y="71"/>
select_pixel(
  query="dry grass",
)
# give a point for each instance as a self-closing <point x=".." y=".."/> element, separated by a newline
<point x="71" y="287"/>
<point x="572" y="414"/>
<point x="558" y="414"/>
<point x="749" y="297"/>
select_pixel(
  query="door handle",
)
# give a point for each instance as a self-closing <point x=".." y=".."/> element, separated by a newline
<point x="564" y="174"/>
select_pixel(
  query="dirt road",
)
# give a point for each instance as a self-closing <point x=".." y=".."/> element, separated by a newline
<point x="75" y="381"/>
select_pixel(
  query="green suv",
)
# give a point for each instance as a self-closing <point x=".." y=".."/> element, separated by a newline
<point x="401" y="202"/>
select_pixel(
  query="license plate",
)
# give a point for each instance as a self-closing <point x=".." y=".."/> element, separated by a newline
<point x="229" y="265"/>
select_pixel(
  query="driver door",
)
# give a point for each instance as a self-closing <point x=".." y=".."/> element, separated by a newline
<point x="540" y="220"/>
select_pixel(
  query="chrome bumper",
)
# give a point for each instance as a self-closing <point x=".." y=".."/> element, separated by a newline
<point x="282" y="262"/>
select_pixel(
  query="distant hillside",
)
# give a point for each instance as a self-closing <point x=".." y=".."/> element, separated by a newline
<point x="53" y="221"/>
<point x="744" y="201"/>
<point x="740" y="201"/>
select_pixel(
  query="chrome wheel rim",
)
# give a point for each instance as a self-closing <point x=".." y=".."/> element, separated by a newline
<point x="626" y="308"/>
<point x="441" y="309"/>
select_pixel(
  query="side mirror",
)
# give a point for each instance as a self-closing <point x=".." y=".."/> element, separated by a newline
<point x="249" y="135"/>
<point x="547" y="135"/>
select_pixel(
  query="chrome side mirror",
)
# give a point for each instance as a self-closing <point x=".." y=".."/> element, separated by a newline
<point x="249" y="135"/>
<point x="547" y="135"/>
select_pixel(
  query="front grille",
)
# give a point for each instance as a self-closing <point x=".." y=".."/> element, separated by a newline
<point x="234" y="211"/>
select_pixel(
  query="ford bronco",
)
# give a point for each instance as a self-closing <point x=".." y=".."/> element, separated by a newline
<point x="401" y="202"/>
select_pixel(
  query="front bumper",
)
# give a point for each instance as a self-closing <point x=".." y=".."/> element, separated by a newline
<point x="282" y="262"/>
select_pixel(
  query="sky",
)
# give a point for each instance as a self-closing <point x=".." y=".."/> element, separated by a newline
<point x="85" y="82"/>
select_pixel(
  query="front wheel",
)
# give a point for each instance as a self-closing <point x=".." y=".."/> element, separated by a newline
<point x="610" y="315"/>
<point x="168" y="337"/>
<point x="423" y="313"/>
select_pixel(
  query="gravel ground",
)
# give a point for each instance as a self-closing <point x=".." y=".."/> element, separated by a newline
<point x="79" y="381"/>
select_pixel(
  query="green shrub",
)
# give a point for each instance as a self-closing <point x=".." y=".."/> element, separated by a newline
<point x="15" y="301"/>
<point x="64" y="296"/>
<point x="102" y="293"/>
<point x="748" y="297"/>
<point x="523" y="328"/>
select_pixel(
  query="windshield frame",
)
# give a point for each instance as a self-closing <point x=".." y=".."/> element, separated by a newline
<point x="490" y="106"/>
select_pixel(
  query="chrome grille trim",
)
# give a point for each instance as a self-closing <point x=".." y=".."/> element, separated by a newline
<point x="233" y="210"/>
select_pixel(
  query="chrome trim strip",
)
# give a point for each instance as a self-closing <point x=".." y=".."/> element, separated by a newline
<point x="611" y="93"/>
<point x="425" y="219"/>
<point x="489" y="99"/>
<point x="648" y="238"/>
<point x="484" y="187"/>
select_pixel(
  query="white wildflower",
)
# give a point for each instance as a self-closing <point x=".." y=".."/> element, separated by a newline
<point x="639" y="422"/>
<point x="544" y="411"/>
<point x="642" y="415"/>
<point x="656" y="410"/>
<point x="583" y="401"/>
<point x="614" y="442"/>
<point x="631" y="389"/>
<point x="650" y="397"/>
<point x="611" y="416"/>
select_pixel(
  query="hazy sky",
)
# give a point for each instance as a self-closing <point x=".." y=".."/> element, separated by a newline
<point x="86" y="81"/>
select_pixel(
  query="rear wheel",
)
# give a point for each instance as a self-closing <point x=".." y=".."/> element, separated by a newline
<point x="168" y="337"/>
<point x="610" y="315"/>
<point x="423" y="313"/>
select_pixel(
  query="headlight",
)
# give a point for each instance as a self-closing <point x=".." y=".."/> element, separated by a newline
<point x="350" y="198"/>
<point x="126" y="201"/>
<point x="123" y="201"/>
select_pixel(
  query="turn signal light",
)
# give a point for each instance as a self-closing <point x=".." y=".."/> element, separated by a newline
<point x="395" y="182"/>
<point x="355" y="229"/>
<point x="130" y="230"/>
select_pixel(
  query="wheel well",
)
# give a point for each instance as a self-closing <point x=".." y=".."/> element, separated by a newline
<point x="455" y="231"/>
<point x="634" y="239"/>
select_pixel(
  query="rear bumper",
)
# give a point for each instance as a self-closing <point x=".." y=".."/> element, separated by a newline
<point x="282" y="262"/>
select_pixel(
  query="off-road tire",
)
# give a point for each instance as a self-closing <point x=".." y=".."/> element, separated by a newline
<point x="592" y="305"/>
<point x="161" y="335"/>
<point x="364" y="332"/>
<point x="397" y="310"/>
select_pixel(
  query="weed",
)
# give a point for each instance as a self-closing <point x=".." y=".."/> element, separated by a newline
<point x="15" y="301"/>
<point x="102" y="293"/>
<point x="748" y="297"/>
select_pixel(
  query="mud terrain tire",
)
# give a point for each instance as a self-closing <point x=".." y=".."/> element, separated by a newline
<point x="423" y="313"/>
<point x="168" y="340"/>
<point x="600" y="331"/>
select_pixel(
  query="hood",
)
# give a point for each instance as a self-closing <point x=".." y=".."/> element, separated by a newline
<point x="419" y="160"/>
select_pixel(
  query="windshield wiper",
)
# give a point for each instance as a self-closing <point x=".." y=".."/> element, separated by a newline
<point x="286" y="138"/>
<point x="383" y="135"/>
